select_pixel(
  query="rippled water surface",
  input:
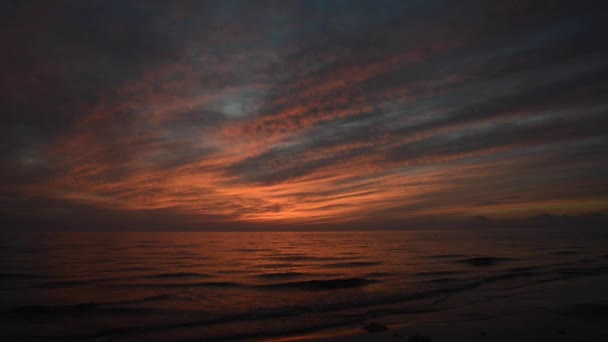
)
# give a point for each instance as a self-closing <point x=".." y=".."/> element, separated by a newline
<point x="225" y="286"/>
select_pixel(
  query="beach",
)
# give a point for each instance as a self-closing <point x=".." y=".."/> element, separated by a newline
<point x="567" y="310"/>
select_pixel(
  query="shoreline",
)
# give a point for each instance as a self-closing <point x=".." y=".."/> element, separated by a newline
<point x="562" y="310"/>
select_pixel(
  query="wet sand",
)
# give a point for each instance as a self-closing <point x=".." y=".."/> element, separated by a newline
<point x="568" y="310"/>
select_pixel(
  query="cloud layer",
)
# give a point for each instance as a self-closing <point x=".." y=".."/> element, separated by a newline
<point x="304" y="112"/>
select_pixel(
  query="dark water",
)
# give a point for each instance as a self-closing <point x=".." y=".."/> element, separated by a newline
<point x="226" y="286"/>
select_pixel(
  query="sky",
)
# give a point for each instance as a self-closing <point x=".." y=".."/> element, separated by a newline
<point x="311" y="114"/>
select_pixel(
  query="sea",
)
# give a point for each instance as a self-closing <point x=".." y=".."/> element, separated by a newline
<point x="227" y="286"/>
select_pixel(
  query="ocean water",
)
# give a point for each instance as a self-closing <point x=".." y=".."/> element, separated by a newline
<point x="229" y="286"/>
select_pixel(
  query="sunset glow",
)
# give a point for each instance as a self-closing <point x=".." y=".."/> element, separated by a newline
<point x="313" y="114"/>
<point x="303" y="170"/>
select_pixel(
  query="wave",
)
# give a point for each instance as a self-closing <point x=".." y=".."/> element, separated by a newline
<point x="483" y="261"/>
<point x="70" y="283"/>
<point x="188" y="257"/>
<point x="91" y="307"/>
<point x="330" y="284"/>
<point x="159" y="297"/>
<point x="76" y="309"/>
<point x="301" y="258"/>
<point x="90" y="282"/>
<point x="292" y="311"/>
<point x="352" y="264"/>
<point x="211" y="284"/>
<point x="175" y="275"/>
<point x="438" y="273"/>
<point x="445" y="256"/>
<point x="379" y="274"/>
<point x="253" y="250"/>
<point x="444" y="280"/>
<point x="493" y="278"/>
<point x="280" y="275"/>
<point x="315" y="284"/>
<point x="513" y="275"/>
<point x="135" y="268"/>
<point x="523" y="269"/>
<point x="274" y="265"/>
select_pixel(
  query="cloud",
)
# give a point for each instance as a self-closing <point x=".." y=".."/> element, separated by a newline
<point x="304" y="113"/>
